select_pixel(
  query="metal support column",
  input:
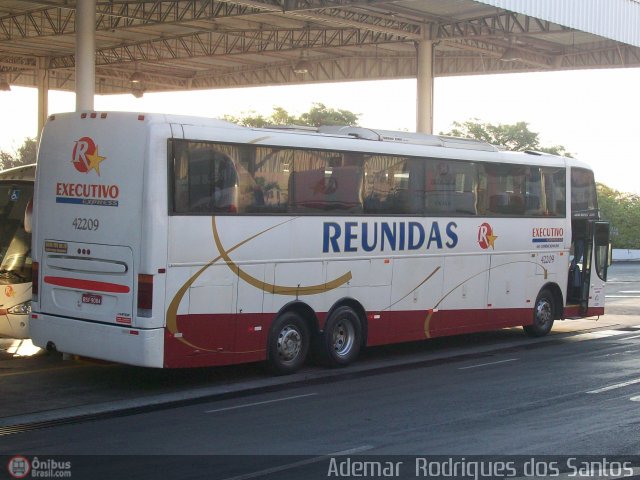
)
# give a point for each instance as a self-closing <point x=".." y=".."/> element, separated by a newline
<point x="42" y="80"/>
<point x="424" y="107"/>
<point x="85" y="54"/>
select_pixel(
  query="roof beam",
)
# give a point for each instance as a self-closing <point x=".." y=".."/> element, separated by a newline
<point x="60" y="20"/>
<point x="221" y="43"/>
<point x="335" y="69"/>
<point x="502" y="24"/>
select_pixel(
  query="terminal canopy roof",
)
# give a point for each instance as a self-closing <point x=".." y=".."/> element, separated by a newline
<point x="202" y="44"/>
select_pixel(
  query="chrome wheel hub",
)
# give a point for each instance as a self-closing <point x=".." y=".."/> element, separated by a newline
<point x="289" y="343"/>
<point x="544" y="312"/>
<point x="343" y="337"/>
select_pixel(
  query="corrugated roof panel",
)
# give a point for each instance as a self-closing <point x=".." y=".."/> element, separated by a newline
<point x="613" y="19"/>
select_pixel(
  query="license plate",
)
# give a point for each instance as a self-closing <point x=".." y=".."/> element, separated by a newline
<point x="92" y="299"/>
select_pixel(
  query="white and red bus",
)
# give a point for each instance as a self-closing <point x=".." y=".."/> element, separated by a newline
<point x="167" y="241"/>
<point x="16" y="194"/>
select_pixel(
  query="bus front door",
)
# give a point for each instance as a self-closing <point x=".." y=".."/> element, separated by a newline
<point x="589" y="247"/>
<point x="580" y="264"/>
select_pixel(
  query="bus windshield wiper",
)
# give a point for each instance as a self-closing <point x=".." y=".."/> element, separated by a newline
<point x="10" y="273"/>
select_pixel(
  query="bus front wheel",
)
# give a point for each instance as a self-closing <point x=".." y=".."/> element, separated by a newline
<point x="543" y="315"/>
<point x="288" y="343"/>
<point x="341" y="337"/>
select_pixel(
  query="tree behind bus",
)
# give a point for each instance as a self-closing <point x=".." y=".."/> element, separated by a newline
<point x="25" y="155"/>
<point x="516" y="136"/>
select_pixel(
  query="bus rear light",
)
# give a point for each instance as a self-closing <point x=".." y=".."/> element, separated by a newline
<point x="35" y="269"/>
<point x="145" y="295"/>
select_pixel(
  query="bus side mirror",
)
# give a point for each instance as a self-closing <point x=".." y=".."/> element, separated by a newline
<point x="28" y="215"/>
<point x="603" y="252"/>
<point x="601" y="234"/>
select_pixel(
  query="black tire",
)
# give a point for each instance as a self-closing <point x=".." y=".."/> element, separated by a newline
<point x="341" y="338"/>
<point x="288" y="344"/>
<point x="543" y="315"/>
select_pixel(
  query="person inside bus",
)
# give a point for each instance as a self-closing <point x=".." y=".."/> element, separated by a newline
<point x="576" y="268"/>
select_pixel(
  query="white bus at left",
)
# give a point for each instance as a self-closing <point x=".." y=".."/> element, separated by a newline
<point x="16" y="194"/>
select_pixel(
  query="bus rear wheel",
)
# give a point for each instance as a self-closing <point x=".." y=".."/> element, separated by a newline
<point x="288" y="343"/>
<point x="543" y="315"/>
<point x="341" y="338"/>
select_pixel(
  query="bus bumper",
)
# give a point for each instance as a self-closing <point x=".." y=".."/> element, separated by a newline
<point x="132" y="346"/>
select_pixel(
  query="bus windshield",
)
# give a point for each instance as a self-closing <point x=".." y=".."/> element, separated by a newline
<point x="15" y="242"/>
<point x="584" y="199"/>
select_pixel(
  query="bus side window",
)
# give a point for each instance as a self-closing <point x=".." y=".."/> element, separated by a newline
<point x="534" y="202"/>
<point x="321" y="182"/>
<point x="560" y="192"/>
<point x="205" y="180"/>
<point x="450" y="187"/>
<point x="505" y="186"/>
<point x="482" y="200"/>
<point x="392" y="185"/>
<point x="180" y="178"/>
<point x="554" y="191"/>
<point x="265" y="188"/>
<point x="213" y="182"/>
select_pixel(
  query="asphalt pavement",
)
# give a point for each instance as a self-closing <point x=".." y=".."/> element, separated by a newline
<point x="42" y="387"/>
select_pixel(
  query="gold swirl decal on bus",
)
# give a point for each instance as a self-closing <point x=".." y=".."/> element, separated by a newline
<point x="427" y="320"/>
<point x="172" y="310"/>
<point x="273" y="288"/>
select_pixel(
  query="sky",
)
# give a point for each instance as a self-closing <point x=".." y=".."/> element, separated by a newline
<point x="592" y="113"/>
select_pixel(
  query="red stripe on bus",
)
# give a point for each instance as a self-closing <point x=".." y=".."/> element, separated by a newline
<point x="574" y="311"/>
<point x="208" y="340"/>
<point x="87" y="285"/>
<point x="224" y="339"/>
